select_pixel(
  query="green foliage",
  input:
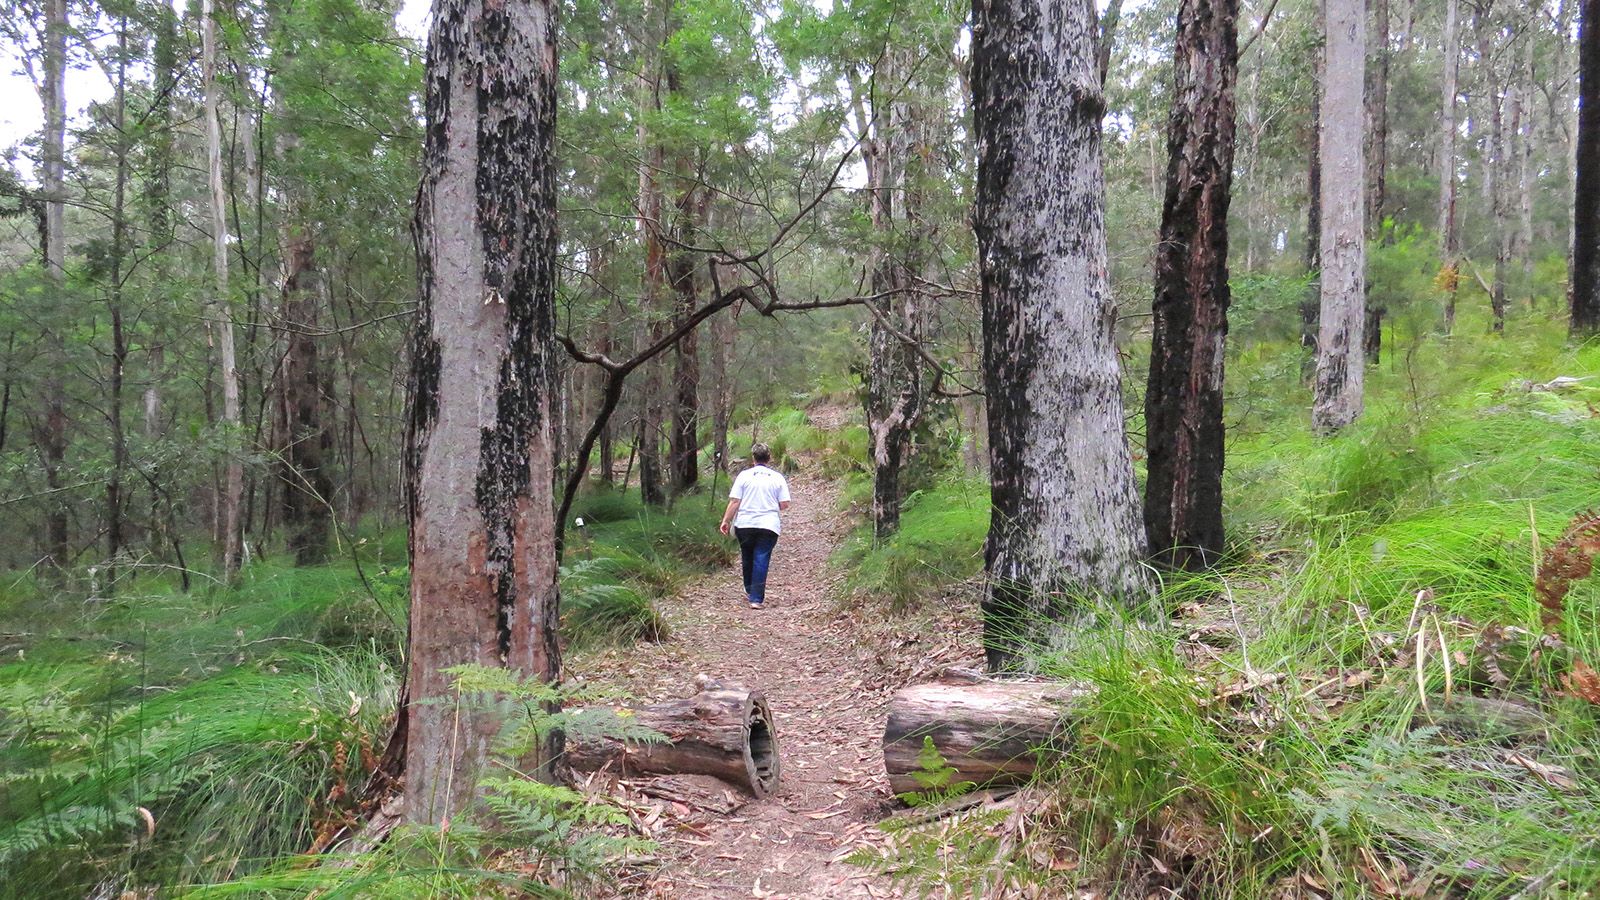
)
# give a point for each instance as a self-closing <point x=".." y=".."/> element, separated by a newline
<point x="210" y="779"/>
<point x="596" y="610"/>
<point x="527" y="838"/>
<point x="940" y="541"/>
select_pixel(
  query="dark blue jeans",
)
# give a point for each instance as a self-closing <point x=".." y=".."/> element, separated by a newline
<point x="755" y="553"/>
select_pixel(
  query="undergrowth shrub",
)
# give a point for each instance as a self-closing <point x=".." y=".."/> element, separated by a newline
<point x="527" y="838"/>
<point x="206" y="781"/>
<point x="596" y="610"/>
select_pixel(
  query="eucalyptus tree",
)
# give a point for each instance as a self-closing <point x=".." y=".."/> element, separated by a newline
<point x="1183" y="403"/>
<point x="1065" y="522"/>
<point x="480" y="460"/>
<point x="1342" y="245"/>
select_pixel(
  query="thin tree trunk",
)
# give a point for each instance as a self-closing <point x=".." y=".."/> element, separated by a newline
<point x="219" y="307"/>
<point x="722" y="334"/>
<point x="1585" y="304"/>
<point x="651" y="487"/>
<point x="684" y="440"/>
<point x="1338" y="389"/>
<point x="116" y="538"/>
<point x="895" y="393"/>
<point x="1448" y="247"/>
<point x="1377" y="160"/>
<point x="1183" y="405"/>
<point x="1310" y="305"/>
<point x="480" y="465"/>
<point x="1065" y="526"/>
<point x="51" y="433"/>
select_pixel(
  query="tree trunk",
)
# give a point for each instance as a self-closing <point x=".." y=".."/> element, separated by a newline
<point x="1065" y="525"/>
<point x="116" y="537"/>
<point x="479" y="459"/>
<point x="307" y="489"/>
<point x="1338" y="388"/>
<point x="989" y="732"/>
<point x="896" y="394"/>
<point x="219" y="310"/>
<point x="1585" y="303"/>
<point x="1448" y="247"/>
<point x="1377" y="160"/>
<point x="722" y="333"/>
<point x="725" y="731"/>
<point x="684" y="442"/>
<point x="1495" y="171"/>
<point x="51" y="432"/>
<point x="651" y="487"/>
<point x="1183" y="405"/>
<point x="1310" y="305"/>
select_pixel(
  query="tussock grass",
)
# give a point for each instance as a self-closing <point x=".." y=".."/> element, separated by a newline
<point x="1276" y="734"/>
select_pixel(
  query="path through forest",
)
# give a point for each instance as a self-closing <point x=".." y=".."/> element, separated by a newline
<point x="828" y="680"/>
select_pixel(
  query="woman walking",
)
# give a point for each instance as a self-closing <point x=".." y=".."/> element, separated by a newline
<point x="758" y="495"/>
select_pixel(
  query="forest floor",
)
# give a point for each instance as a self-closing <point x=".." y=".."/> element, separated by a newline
<point x="828" y="671"/>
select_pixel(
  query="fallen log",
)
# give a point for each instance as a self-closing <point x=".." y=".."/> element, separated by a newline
<point x="725" y="731"/>
<point x="989" y="732"/>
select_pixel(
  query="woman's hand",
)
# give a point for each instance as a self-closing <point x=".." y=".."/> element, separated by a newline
<point x="723" y="527"/>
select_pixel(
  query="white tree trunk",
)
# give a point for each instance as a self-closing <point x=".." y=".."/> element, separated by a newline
<point x="219" y="312"/>
<point x="1338" y="399"/>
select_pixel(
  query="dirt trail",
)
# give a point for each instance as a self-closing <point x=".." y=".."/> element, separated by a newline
<point x="827" y="684"/>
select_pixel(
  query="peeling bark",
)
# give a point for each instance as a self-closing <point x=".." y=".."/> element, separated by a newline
<point x="480" y="461"/>
<point x="1065" y="524"/>
<point x="1183" y="405"/>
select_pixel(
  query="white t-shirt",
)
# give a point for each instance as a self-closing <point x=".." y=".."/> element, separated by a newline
<point x="759" y="490"/>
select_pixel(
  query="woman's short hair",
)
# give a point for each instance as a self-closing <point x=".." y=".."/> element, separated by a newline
<point x="761" y="453"/>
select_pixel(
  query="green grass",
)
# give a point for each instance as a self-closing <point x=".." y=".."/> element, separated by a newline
<point x="939" y="542"/>
<point x="1296" y="741"/>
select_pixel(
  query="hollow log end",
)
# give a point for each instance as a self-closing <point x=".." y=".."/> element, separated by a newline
<point x="761" y="746"/>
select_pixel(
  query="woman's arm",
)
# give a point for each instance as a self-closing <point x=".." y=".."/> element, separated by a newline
<point x="727" y="517"/>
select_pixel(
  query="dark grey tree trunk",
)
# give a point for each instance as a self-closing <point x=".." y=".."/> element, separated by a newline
<point x="684" y="461"/>
<point x="116" y="524"/>
<point x="307" y="490"/>
<point x="479" y="456"/>
<point x="1586" y="216"/>
<point x="1338" y="388"/>
<point x="1377" y="162"/>
<point x="1183" y="405"/>
<point x="1065" y="525"/>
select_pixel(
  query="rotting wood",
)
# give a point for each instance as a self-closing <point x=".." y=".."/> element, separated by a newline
<point x="725" y="731"/>
<point x="990" y="732"/>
